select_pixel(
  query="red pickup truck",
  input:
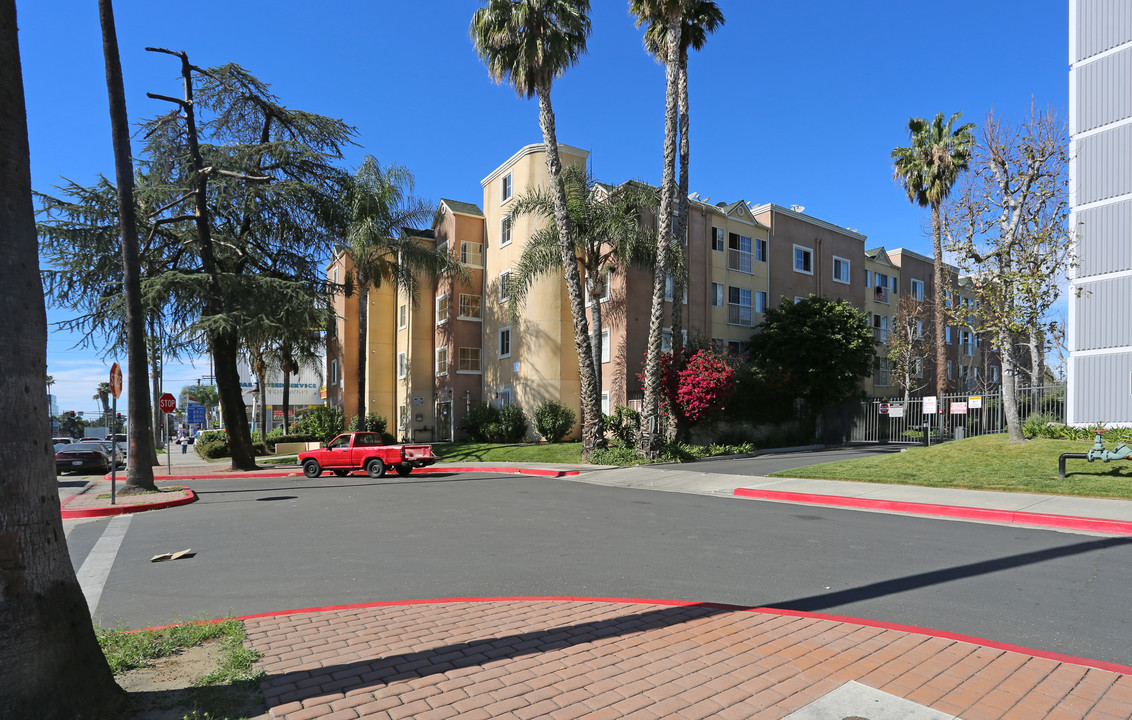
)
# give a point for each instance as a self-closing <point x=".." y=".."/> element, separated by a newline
<point x="365" y="451"/>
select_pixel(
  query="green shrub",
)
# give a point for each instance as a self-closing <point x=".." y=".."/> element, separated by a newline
<point x="617" y="454"/>
<point x="214" y="444"/>
<point x="321" y="424"/>
<point x="624" y="424"/>
<point x="512" y="425"/>
<point x="553" y="420"/>
<point x="480" y="422"/>
<point x="373" y="423"/>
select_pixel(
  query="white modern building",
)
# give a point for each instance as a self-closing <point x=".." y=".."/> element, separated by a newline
<point x="1100" y="196"/>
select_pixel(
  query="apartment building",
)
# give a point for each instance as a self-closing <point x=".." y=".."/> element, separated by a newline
<point x="464" y="342"/>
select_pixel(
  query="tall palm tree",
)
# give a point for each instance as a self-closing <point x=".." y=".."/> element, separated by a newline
<point x="607" y="234"/>
<point x="102" y="395"/>
<point x="670" y="13"/>
<point x="53" y="667"/>
<point x="380" y="205"/>
<point x="529" y="43"/>
<point x="928" y="169"/>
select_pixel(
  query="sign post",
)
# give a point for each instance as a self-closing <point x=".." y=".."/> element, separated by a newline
<point x="115" y="390"/>
<point x="929" y="410"/>
<point x="168" y="404"/>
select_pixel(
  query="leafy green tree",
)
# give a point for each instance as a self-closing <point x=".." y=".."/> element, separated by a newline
<point x="1010" y="228"/>
<point x="700" y="18"/>
<point x="71" y="425"/>
<point x="553" y="420"/>
<point x="928" y="169"/>
<point x="529" y="43"/>
<point x="380" y="207"/>
<point x="669" y="13"/>
<point x="607" y="235"/>
<point x="53" y="667"/>
<point x="816" y="349"/>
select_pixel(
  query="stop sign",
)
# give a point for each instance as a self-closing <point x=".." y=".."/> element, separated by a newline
<point x="883" y="408"/>
<point x="167" y="403"/>
<point x="116" y="381"/>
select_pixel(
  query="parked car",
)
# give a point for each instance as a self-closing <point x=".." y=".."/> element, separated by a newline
<point x="116" y="453"/>
<point x="82" y="457"/>
<point x="62" y="440"/>
<point x="365" y="451"/>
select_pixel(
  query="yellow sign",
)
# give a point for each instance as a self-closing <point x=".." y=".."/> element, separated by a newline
<point x="975" y="402"/>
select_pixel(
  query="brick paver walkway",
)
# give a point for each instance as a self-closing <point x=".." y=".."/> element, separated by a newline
<point x="565" y="660"/>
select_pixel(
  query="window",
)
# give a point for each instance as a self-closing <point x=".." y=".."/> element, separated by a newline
<point x="469" y="360"/>
<point x="841" y="270"/>
<point x="470" y="307"/>
<point x="404" y="313"/>
<point x="603" y="284"/>
<point x="895" y="284"/>
<point x="966" y="343"/>
<point x="948" y="369"/>
<point x="760" y="249"/>
<point x="605" y="402"/>
<point x="669" y="289"/>
<point x="333" y="372"/>
<point x="880" y="328"/>
<point x="335" y="280"/>
<point x="505" y="188"/>
<point x="471" y="253"/>
<point x="736" y="347"/>
<point x="994" y="373"/>
<point x="505" y="342"/>
<point x="503" y="398"/>
<point x="605" y="345"/>
<point x="505" y="231"/>
<point x="882" y="375"/>
<point x="947" y="335"/>
<point x="918" y="367"/>
<point x="803" y="260"/>
<point x="402" y="365"/>
<point x="505" y="286"/>
<point x="717" y="294"/>
<point x="739" y="307"/>
<point x="738" y="252"/>
<point x="718" y="343"/>
<point x="760" y="301"/>
<point x="442" y="360"/>
<point x="918" y="289"/>
<point x="666" y="339"/>
<point x="868" y="278"/>
<point x="717" y="239"/>
<point x="442" y="309"/>
<point x="404" y="423"/>
<point x="919" y="329"/>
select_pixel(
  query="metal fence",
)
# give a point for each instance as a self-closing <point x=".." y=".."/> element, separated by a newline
<point x="957" y="415"/>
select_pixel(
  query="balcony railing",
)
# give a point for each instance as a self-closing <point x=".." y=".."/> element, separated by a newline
<point x="880" y="294"/>
<point x="740" y="315"/>
<point x="738" y="260"/>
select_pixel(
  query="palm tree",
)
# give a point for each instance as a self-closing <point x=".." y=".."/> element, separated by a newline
<point x="53" y="667"/>
<point x="530" y="43"/>
<point x="103" y="396"/>
<point x="607" y="234"/>
<point x="380" y="205"/>
<point x="669" y="13"/>
<point x="928" y="169"/>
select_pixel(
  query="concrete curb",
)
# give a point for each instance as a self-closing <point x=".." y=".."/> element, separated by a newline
<point x="1009" y="517"/>
<point x="187" y="497"/>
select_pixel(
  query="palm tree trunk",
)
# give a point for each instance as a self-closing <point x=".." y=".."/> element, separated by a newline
<point x="681" y="215"/>
<point x="363" y="333"/>
<point x="651" y="404"/>
<point x="139" y="470"/>
<point x="938" y="309"/>
<point x="53" y="667"/>
<point x="595" y="331"/>
<point x="592" y="434"/>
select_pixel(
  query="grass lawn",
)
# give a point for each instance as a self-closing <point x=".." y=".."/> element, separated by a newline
<point x="488" y="452"/>
<point x="987" y="462"/>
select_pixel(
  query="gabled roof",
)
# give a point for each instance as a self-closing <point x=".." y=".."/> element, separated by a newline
<point x="879" y="255"/>
<point x="462" y="208"/>
<point x="414" y="232"/>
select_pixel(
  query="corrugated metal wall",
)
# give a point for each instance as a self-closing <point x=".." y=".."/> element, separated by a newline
<point x="1104" y="315"/>
<point x="1106" y="389"/>
<point x="1102" y="25"/>
<point x="1103" y="170"/>
<point x="1097" y="104"/>
<point x="1104" y="244"/>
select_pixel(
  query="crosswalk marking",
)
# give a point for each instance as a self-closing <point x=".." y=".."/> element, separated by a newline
<point x="95" y="569"/>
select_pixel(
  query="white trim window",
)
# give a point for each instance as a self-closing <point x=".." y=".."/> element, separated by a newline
<point x="919" y="329"/>
<point x="402" y="365"/>
<point x="442" y="360"/>
<point x="605" y="353"/>
<point x="803" y="260"/>
<point x="404" y="317"/>
<point x="738" y="252"/>
<point x="760" y="301"/>
<point x="917" y="289"/>
<point x="947" y="335"/>
<point x="666" y="339"/>
<point x="882" y="378"/>
<point x="918" y="367"/>
<point x="505" y="231"/>
<point x="503" y="398"/>
<point x="868" y="278"/>
<point x="505" y="286"/>
<point x="442" y="309"/>
<point x="505" y="342"/>
<point x="605" y="402"/>
<point x="670" y="289"/>
<point x="739" y="307"/>
<point x="717" y="294"/>
<point x="841" y="268"/>
<point x="333" y="371"/>
<point x="994" y="374"/>
<point x="469" y="361"/>
<point x="718" y="239"/>
<point x="471" y="307"/>
<point x="605" y="280"/>
<point x="505" y="188"/>
<point x="760" y="249"/>
<point x="471" y="253"/>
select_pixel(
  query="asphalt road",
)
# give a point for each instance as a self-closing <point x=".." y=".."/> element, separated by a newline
<point x="272" y="544"/>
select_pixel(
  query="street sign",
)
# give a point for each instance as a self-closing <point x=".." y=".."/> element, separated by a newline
<point x="194" y="414"/>
<point x="883" y="409"/>
<point x="167" y="403"/>
<point x="958" y="408"/>
<point x="930" y="405"/>
<point x="115" y="381"/>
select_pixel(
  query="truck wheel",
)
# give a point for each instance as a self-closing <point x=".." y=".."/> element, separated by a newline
<point x="341" y="473"/>
<point x="404" y="470"/>
<point x="311" y="468"/>
<point x="375" y="468"/>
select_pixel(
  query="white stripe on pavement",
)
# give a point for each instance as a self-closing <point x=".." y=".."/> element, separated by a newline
<point x="96" y="567"/>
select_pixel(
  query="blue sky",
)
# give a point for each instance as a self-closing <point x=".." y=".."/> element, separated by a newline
<point x="792" y="102"/>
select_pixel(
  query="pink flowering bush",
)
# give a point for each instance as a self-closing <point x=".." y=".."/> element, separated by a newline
<point x="698" y="391"/>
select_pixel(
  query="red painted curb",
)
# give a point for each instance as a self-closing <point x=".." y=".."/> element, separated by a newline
<point x="1010" y="517"/>
<point x="912" y="629"/>
<point x="187" y="498"/>
<point x="298" y="473"/>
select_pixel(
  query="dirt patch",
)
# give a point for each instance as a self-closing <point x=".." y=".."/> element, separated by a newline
<point x="165" y="690"/>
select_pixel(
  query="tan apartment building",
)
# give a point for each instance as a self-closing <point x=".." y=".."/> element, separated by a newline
<point x="882" y="304"/>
